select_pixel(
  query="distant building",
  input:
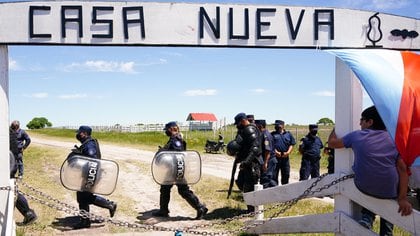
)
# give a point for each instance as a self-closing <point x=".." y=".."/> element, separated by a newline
<point x="202" y="121"/>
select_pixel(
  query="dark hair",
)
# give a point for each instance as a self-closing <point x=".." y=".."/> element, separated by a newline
<point x="372" y="113"/>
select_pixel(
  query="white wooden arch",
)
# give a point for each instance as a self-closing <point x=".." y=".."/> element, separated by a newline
<point x="93" y="23"/>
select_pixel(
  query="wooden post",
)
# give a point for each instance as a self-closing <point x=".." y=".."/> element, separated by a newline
<point x="6" y="211"/>
<point x="348" y="107"/>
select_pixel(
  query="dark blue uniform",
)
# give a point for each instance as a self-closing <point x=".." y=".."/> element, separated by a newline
<point x="249" y="157"/>
<point x="23" y="140"/>
<point x="21" y="202"/>
<point x="267" y="145"/>
<point x="331" y="153"/>
<point x="282" y="142"/>
<point x="90" y="148"/>
<point x="176" y="143"/>
<point x="310" y="148"/>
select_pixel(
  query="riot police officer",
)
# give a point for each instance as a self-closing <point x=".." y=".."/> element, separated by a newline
<point x="267" y="149"/>
<point x="250" y="118"/>
<point x="246" y="147"/>
<point x="176" y="143"/>
<point x="90" y="148"/>
<point x="283" y="146"/>
<point x="310" y="148"/>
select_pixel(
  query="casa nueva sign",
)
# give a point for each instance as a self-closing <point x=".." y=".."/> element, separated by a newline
<point x="184" y="24"/>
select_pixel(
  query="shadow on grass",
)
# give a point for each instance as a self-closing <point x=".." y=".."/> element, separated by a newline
<point x="67" y="223"/>
<point x="216" y="214"/>
<point x="149" y="218"/>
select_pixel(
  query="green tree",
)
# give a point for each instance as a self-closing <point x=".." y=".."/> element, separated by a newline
<point x="38" y="123"/>
<point x="325" y="121"/>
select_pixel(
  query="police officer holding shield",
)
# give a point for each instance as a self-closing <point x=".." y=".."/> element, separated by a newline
<point x="90" y="148"/>
<point x="176" y="143"/>
<point x="246" y="147"/>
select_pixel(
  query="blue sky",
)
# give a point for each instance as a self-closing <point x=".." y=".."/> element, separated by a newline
<point x="128" y="85"/>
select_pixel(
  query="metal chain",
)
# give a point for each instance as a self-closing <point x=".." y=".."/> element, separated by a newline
<point x="284" y="206"/>
<point x="288" y="204"/>
<point x="8" y="188"/>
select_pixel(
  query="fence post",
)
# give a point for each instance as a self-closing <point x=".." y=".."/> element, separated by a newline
<point x="259" y="208"/>
<point x="348" y="106"/>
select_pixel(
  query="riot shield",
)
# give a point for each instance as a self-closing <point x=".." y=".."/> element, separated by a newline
<point x="81" y="173"/>
<point x="172" y="167"/>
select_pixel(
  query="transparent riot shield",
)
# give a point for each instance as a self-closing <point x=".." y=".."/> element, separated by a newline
<point x="81" y="173"/>
<point x="172" y="167"/>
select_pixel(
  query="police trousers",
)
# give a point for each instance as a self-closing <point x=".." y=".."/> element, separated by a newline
<point x="267" y="177"/>
<point x="183" y="190"/>
<point x="309" y="166"/>
<point x="282" y="168"/>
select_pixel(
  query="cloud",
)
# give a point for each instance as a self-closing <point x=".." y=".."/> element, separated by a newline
<point x="259" y="90"/>
<point x="160" y="61"/>
<point x="37" y="95"/>
<point x="13" y="65"/>
<point x="200" y="92"/>
<point x="102" y="66"/>
<point x="324" y="93"/>
<point x="72" y="96"/>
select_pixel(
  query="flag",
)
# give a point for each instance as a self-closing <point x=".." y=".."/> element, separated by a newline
<point x="392" y="80"/>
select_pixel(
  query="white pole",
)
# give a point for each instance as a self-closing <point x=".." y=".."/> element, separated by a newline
<point x="6" y="212"/>
<point x="348" y="106"/>
<point x="259" y="208"/>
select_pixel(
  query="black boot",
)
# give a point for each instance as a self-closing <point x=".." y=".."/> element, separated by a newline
<point x="104" y="203"/>
<point x="83" y="223"/>
<point x="201" y="212"/>
<point x="30" y="217"/>
<point x="164" y="198"/>
<point x="250" y="209"/>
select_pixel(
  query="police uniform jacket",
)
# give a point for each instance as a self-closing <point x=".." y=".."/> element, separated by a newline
<point x="23" y="139"/>
<point x="175" y="143"/>
<point x="90" y="148"/>
<point x="267" y="144"/>
<point x="311" y="146"/>
<point x="282" y="141"/>
<point x="249" y="140"/>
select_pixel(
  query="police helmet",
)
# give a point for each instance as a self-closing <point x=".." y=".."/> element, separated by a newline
<point x="232" y="148"/>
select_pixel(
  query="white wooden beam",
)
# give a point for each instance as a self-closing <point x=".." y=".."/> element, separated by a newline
<point x="6" y="214"/>
<point x="290" y="191"/>
<point x="348" y="107"/>
<point x="298" y="224"/>
<point x="386" y="208"/>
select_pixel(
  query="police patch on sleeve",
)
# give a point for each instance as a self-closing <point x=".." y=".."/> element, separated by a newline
<point x="266" y="143"/>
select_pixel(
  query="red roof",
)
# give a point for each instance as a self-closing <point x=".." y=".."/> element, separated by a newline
<point x="201" y="117"/>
